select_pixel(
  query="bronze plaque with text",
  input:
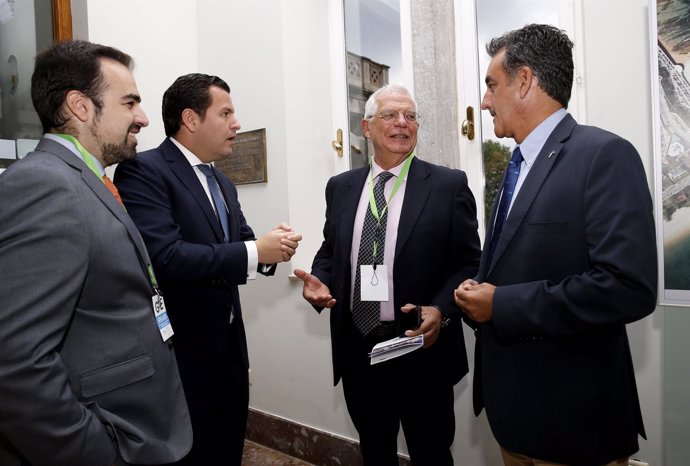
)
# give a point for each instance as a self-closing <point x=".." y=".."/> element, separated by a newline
<point x="247" y="163"/>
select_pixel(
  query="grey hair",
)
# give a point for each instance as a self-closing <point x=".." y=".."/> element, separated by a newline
<point x="372" y="107"/>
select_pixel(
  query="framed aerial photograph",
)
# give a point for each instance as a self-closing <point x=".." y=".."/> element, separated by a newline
<point x="671" y="111"/>
<point x="247" y="164"/>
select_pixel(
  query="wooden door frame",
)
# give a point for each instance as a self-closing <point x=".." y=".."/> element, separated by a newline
<point x="62" y="20"/>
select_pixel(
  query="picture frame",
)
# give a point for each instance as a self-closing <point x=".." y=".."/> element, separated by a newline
<point x="247" y="163"/>
<point x="671" y="136"/>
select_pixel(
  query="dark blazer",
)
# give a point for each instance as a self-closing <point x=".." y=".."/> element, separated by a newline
<point x="575" y="263"/>
<point x="84" y="371"/>
<point x="437" y="248"/>
<point x="198" y="273"/>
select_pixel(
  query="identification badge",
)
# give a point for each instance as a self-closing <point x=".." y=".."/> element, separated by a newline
<point x="374" y="283"/>
<point x="161" y="315"/>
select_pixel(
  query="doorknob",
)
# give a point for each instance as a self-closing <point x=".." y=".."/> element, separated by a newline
<point x="337" y="143"/>
<point x="468" y="124"/>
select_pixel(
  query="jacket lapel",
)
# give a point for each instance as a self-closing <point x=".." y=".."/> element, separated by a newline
<point x="350" y="195"/>
<point x="185" y="173"/>
<point x="417" y="190"/>
<point x="532" y="185"/>
<point x="100" y="191"/>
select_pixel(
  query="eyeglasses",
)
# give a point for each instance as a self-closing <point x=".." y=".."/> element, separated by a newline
<point x="390" y="116"/>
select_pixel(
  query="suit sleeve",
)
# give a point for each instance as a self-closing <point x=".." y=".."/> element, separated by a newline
<point x="149" y="195"/>
<point x="322" y="265"/>
<point x="619" y="281"/>
<point x="44" y="257"/>
<point x="465" y="250"/>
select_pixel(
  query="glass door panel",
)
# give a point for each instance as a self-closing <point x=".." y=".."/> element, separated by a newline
<point x="374" y="58"/>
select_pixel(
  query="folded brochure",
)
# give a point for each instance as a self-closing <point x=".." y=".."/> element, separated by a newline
<point x="394" y="348"/>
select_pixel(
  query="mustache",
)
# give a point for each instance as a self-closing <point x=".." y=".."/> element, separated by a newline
<point x="134" y="128"/>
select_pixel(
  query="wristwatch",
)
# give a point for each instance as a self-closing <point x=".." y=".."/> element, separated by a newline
<point x="445" y="318"/>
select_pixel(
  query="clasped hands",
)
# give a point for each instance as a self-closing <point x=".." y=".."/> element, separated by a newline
<point x="475" y="299"/>
<point x="278" y="244"/>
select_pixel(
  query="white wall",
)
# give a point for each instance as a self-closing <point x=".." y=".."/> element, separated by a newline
<point x="275" y="57"/>
<point x="161" y="36"/>
<point x="617" y="55"/>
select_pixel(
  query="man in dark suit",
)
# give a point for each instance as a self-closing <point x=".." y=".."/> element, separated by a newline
<point x="573" y="263"/>
<point x="426" y="239"/>
<point x="202" y="249"/>
<point x="87" y="377"/>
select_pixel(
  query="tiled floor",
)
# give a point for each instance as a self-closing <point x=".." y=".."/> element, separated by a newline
<point x="257" y="455"/>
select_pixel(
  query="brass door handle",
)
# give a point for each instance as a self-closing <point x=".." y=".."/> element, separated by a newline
<point x="467" y="127"/>
<point x="337" y="143"/>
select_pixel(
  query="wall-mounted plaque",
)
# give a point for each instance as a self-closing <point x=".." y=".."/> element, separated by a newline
<point x="247" y="163"/>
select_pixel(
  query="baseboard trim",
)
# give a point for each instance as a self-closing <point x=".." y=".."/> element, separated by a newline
<point x="304" y="442"/>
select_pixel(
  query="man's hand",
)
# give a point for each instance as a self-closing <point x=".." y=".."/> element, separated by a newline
<point x="431" y="323"/>
<point x="476" y="300"/>
<point x="314" y="291"/>
<point x="278" y="245"/>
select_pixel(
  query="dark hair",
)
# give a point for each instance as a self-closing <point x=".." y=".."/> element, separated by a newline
<point x="546" y="50"/>
<point x="67" y="66"/>
<point x="188" y="91"/>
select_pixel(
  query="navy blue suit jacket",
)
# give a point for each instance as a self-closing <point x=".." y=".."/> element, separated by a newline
<point x="437" y="248"/>
<point x="198" y="273"/>
<point x="575" y="263"/>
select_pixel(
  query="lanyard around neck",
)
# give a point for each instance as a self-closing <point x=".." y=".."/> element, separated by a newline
<point x="91" y="163"/>
<point x="372" y="200"/>
<point x="396" y="186"/>
<point x="85" y="155"/>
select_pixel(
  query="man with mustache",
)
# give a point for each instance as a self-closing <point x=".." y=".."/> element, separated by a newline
<point x="87" y="370"/>
<point x="202" y="249"/>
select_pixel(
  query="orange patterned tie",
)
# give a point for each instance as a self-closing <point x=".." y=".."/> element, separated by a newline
<point x="111" y="187"/>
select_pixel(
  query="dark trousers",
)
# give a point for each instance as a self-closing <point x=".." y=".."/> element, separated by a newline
<point x="381" y="397"/>
<point x="219" y="415"/>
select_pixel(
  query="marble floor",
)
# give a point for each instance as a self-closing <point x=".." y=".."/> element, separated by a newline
<point x="258" y="455"/>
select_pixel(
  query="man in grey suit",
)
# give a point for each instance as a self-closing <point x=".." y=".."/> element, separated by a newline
<point x="87" y="370"/>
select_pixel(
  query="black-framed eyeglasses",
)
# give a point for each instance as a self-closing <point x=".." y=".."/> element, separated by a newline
<point x="390" y="116"/>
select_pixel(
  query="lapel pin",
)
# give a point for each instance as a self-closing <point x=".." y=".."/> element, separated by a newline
<point x="553" y="152"/>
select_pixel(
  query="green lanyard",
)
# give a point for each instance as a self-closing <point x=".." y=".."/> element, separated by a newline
<point x="372" y="201"/>
<point x="86" y="156"/>
<point x="91" y="163"/>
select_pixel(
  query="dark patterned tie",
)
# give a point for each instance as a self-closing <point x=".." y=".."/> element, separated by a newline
<point x="366" y="314"/>
<point x="217" y="200"/>
<point x="513" y="171"/>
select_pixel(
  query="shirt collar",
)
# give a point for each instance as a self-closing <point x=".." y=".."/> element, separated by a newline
<point x="535" y="141"/>
<point x="188" y="154"/>
<point x="64" y="142"/>
<point x="395" y="171"/>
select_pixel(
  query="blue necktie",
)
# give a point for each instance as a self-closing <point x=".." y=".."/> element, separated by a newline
<point x="217" y="199"/>
<point x="513" y="171"/>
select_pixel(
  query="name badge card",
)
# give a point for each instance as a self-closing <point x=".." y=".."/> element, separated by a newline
<point x="162" y="319"/>
<point x="374" y="283"/>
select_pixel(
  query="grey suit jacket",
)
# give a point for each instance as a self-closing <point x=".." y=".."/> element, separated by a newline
<point x="85" y="377"/>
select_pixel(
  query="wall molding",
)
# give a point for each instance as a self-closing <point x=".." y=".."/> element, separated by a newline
<point x="304" y="442"/>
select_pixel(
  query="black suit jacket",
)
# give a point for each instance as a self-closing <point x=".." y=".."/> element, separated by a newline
<point x="437" y="247"/>
<point x="576" y="261"/>
<point x="198" y="273"/>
